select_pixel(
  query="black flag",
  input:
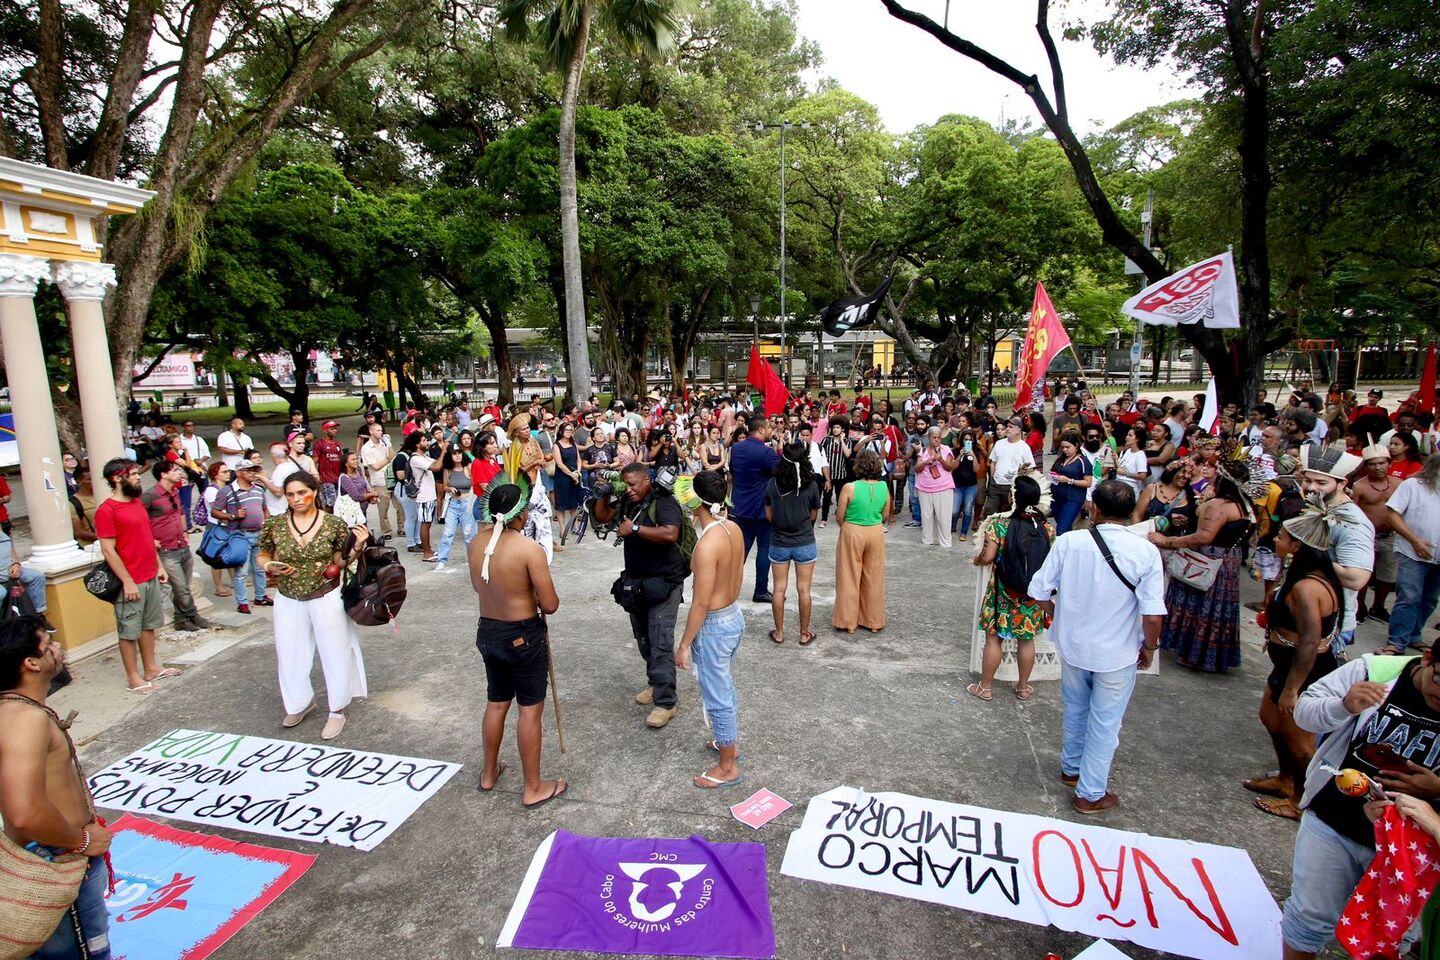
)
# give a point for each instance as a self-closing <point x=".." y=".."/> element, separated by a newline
<point x="844" y="315"/>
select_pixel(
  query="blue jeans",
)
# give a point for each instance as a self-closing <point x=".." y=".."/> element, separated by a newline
<point x="964" y="510"/>
<point x="1066" y="513"/>
<point x="911" y="496"/>
<point x="757" y="531"/>
<point x="1417" y="588"/>
<point x="1094" y="706"/>
<point x="457" y="515"/>
<point x="412" y="517"/>
<point x="240" y="578"/>
<point x="715" y="647"/>
<point x="1324" y="873"/>
<point x="94" y="919"/>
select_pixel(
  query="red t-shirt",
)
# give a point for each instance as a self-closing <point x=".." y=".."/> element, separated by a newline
<point x="4" y="492"/>
<point x="128" y="524"/>
<point x="1405" y="469"/>
<point x="481" y="473"/>
<point x="897" y="440"/>
<point x="327" y="460"/>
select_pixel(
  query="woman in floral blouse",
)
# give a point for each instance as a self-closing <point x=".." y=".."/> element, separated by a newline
<point x="302" y="552"/>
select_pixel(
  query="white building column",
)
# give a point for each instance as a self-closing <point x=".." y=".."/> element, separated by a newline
<point x="41" y="473"/>
<point x="84" y="286"/>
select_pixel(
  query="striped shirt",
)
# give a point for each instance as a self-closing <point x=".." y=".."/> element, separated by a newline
<point x="834" y="450"/>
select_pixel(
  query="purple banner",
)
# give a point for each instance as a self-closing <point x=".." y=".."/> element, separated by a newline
<point x="677" y="898"/>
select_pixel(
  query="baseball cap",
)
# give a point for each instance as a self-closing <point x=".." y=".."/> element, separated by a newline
<point x="328" y="424"/>
<point x="246" y="465"/>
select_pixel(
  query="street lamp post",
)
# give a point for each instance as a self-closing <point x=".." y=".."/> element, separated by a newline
<point x="782" y="126"/>
<point x="755" y="313"/>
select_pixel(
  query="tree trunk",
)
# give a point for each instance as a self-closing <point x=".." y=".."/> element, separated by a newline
<point x="68" y="423"/>
<point x="242" y="397"/>
<point x="297" y="398"/>
<point x="494" y="322"/>
<point x="576" y="333"/>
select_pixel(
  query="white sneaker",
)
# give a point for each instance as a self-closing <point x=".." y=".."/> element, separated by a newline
<point x="440" y="567"/>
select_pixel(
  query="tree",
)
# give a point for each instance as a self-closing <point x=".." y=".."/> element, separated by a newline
<point x="643" y="25"/>
<point x="1227" y="40"/>
<point x="297" y="262"/>
<point x="484" y="254"/>
<point x="181" y="96"/>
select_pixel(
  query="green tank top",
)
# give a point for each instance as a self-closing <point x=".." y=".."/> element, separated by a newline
<point x="867" y="503"/>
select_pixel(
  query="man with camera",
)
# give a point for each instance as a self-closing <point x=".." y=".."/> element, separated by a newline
<point x="650" y="587"/>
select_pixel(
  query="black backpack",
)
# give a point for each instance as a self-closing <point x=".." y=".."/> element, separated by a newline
<point x="1027" y="544"/>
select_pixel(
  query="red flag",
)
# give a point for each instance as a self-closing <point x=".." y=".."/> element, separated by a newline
<point x="777" y="395"/>
<point x="1044" y="338"/>
<point x="1427" y="384"/>
<point x="1393" y="891"/>
<point x="758" y="373"/>
<point x="763" y="377"/>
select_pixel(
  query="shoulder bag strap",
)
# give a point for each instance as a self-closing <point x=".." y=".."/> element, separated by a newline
<point x="1109" y="558"/>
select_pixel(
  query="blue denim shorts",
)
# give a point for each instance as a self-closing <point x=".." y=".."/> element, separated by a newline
<point x="806" y="553"/>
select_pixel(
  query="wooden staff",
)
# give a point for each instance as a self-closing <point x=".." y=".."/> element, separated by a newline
<point x="554" y="687"/>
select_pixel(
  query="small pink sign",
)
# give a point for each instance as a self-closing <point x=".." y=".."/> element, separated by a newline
<point x="762" y="807"/>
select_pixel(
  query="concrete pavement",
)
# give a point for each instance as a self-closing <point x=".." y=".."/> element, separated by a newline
<point x="884" y="712"/>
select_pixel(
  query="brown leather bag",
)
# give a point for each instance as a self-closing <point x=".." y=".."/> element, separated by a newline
<point x="373" y="597"/>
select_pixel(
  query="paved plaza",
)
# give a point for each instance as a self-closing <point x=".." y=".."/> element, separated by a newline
<point x="882" y="712"/>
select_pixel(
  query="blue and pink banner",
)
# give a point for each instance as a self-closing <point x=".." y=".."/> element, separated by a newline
<point x="675" y="898"/>
<point x="180" y="895"/>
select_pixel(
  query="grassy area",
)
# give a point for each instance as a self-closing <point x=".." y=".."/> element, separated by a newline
<point x="277" y="410"/>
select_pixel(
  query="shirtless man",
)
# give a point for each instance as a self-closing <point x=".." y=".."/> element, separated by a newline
<point x="512" y="579"/>
<point x="42" y="797"/>
<point x="715" y="624"/>
<point x="1370" y="493"/>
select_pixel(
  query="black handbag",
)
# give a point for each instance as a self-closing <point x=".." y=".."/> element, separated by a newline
<point x="102" y="583"/>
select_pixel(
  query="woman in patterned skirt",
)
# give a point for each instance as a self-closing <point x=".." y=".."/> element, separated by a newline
<point x="1203" y="627"/>
<point x="1005" y="614"/>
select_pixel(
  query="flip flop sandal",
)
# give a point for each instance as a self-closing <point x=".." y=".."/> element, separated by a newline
<point x="499" y="769"/>
<point x="714" y="783"/>
<point x="982" y="693"/>
<point x="144" y="690"/>
<point x="1277" y="808"/>
<point x="225" y="593"/>
<point x="1024" y="693"/>
<point x="772" y="637"/>
<point x="560" y="787"/>
<point x="166" y="674"/>
<point x="1389" y="651"/>
<point x="807" y="637"/>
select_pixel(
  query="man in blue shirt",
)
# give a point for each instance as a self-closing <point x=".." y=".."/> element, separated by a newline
<point x="752" y="464"/>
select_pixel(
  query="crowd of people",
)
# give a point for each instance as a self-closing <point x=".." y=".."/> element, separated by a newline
<point x="1114" y="531"/>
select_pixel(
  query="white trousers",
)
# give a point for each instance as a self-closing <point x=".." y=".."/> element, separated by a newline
<point x="935" y="510"/>
<point x="300" y="627"/>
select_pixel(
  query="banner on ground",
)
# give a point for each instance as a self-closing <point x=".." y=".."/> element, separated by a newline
<point x="1203" y="292"/>
<point x="1045" y="337"/>
<point x="1192" y="899"/>
<point x="279" y="788"/>
<point x="674" y="898"/>
<point x="180" y="895"/>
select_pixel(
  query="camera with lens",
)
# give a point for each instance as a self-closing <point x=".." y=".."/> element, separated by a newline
<point x="603" y="502"/>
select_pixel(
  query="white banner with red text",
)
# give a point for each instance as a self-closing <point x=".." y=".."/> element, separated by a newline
<point x="1191" y="899"/>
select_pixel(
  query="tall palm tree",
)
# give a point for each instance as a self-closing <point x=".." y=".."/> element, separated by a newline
<point x="564" y="27"/>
